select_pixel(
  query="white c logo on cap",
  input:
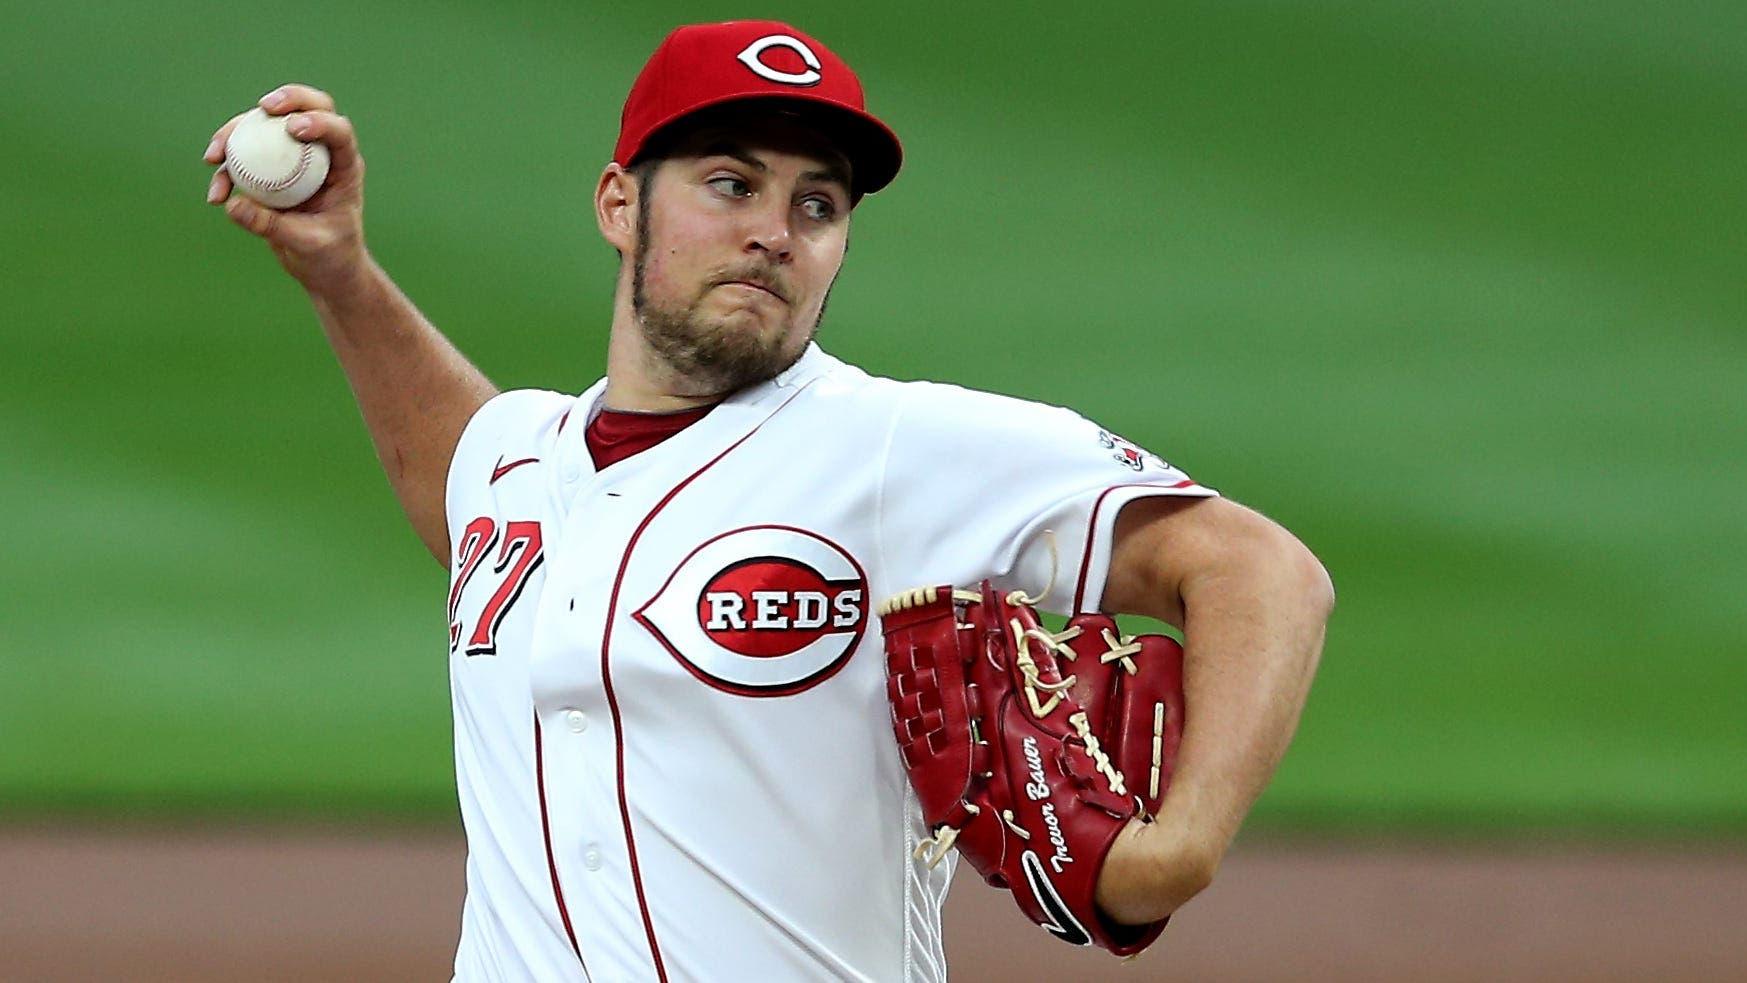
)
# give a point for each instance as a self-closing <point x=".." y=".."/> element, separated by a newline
<point x="750" y="58"/>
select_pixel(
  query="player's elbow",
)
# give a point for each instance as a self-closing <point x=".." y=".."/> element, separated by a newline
<point x="1316" y="588"/>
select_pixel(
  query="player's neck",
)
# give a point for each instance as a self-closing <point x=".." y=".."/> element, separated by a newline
<point x="638" y="380"/>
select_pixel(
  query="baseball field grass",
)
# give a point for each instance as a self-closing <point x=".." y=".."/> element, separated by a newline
<point x="1454" y="291"/>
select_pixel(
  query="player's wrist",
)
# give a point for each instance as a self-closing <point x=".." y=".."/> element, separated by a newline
<point x="346" y="281"/>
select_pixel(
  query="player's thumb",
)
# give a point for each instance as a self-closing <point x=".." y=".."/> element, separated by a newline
<point x="252" y="215"/>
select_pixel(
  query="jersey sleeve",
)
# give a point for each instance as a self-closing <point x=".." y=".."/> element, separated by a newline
<point x="981" y="486"/>
<point x="512" y="426"/>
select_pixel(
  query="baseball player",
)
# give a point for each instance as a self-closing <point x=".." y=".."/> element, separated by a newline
<point x="673" y="747"/>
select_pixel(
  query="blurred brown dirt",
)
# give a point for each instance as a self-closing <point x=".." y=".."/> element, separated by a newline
<point x="213" y="904"/>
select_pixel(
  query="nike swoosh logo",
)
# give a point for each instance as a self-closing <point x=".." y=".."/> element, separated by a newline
<point x="503" y="469"/>
<point x="1061" y="923"/>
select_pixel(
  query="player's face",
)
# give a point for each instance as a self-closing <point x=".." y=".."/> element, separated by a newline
<point x="740" y="236"/>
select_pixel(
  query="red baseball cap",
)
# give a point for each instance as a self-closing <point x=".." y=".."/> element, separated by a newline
<point x="701" y="66"/>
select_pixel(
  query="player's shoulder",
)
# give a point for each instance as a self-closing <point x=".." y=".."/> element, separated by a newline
<point x="930" y="412"/>
<point x="519" y="413"/>
<point x="513" y="430"/>
<point x="523" y="422"/>
<point x="928" y="395"/>
<point x="840" y="382"/>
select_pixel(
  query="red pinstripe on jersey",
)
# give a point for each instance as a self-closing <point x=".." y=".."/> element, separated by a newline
<point x="546" y="835"/>
<point x="1092" y="531"/>
<point x="607" y="678"/>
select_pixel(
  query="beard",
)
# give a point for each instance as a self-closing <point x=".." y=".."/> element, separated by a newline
<point x="715" y="358"/>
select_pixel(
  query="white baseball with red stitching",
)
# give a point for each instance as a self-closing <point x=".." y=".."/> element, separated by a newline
<point x="270" y="165"/>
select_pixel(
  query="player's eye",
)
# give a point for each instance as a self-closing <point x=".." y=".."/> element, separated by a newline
<point x="733" y="187"/>
<point x="819" y="209"/>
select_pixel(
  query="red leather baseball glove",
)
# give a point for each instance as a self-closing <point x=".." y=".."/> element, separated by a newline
<point x="1030" y="751"/>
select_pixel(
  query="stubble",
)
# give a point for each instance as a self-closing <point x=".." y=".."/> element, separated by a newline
<point x="713" y="358"/>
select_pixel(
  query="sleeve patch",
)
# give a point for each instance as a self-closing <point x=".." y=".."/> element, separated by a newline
<point x="1130" y="454"/>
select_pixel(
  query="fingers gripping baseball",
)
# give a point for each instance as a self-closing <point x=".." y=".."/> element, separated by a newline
<point x="254" y="217"/>
<point x="288" y="98"/>
<point x="322" y="234"/>
<point x="296" y="95"/>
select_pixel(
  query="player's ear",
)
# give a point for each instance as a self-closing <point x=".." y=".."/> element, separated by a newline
<point x="615" y="207"/>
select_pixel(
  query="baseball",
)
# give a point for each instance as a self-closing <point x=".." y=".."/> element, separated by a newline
<point x="270" y="165"/>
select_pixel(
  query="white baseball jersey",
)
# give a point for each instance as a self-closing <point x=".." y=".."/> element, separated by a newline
<point x="672" y="746"/>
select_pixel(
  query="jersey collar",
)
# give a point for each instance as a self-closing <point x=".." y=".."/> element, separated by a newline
<point x="812" y="364"/>
<point x="746" y="405"/>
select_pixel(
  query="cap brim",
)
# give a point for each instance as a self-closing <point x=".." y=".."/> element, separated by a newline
<point x="873" y="150"/>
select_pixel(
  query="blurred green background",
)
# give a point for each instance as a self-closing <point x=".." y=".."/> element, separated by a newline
<point x="1455" y="291"/>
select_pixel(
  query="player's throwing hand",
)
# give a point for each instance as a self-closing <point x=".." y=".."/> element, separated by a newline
<point x="323" y="238"/>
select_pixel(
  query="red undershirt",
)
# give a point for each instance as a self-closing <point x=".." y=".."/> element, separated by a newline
<point x="617" y="434"/>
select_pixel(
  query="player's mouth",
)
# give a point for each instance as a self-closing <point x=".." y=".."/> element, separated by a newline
<point x="755" y="285"/>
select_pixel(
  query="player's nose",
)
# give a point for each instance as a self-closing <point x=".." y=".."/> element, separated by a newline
<point x="771" y="232"/>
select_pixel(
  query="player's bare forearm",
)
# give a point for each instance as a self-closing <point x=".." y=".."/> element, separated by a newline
<point x="1253" y="603"/>
<point x="415" y="390"/>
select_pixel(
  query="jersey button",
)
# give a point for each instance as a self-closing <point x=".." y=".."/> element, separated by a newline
<point x="576" y="720"/>
<point x="591" y="857"/>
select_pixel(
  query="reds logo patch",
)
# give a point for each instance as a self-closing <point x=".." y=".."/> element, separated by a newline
<point x="762" y="611"/>
<point x="1129" y="454"/>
